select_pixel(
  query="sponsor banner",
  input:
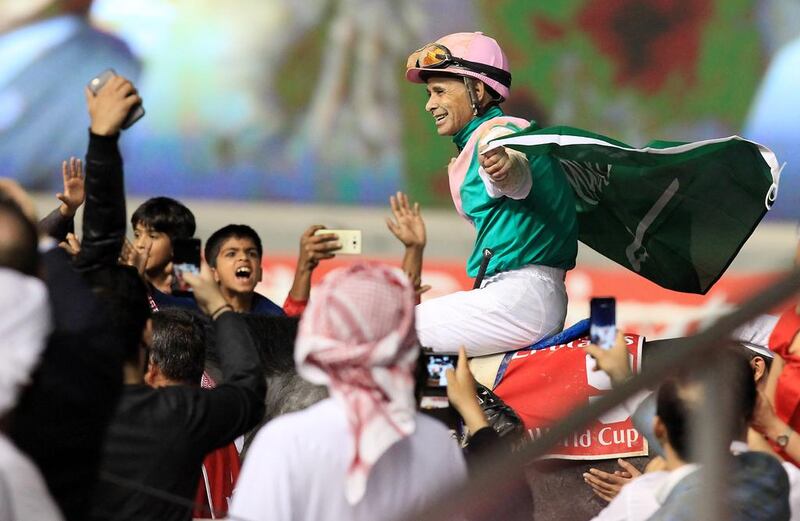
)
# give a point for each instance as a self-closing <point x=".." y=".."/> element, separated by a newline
<point x="543" y="386"/>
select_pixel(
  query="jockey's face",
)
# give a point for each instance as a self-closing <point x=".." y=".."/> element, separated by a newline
<point x="448" y="103"/>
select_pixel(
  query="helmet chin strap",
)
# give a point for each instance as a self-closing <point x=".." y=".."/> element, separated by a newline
<point x="473" y="96"/>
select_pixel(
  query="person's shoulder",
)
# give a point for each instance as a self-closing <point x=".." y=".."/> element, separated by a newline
<point x="759" y="464"/>
<point x="313" y="427"/>
<point x="163" y="403"/>
<point x="165" y="300"/>
<point x="647" y="480"/>
<point x="432" y="425"/>
<point x="311" y="422"/>
<point x="264" y="306"/>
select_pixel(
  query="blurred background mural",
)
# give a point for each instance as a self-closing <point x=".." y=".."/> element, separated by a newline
<point x="306" y="101"/>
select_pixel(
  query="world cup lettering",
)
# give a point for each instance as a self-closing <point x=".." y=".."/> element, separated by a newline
<point x="633" y="437"/>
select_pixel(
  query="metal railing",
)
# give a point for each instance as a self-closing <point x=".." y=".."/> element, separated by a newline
<point x="695" y="351"/>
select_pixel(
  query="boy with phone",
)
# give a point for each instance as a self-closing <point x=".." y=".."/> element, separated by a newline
<point x="234" y="254"/>
<point x="157" y="224"/>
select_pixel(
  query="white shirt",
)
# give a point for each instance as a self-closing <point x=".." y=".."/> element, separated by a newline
<point x="636" y="501"/>
<point x="641" y="497"/>
<point x="295" y="470"/>
<point x="23" y="494"/>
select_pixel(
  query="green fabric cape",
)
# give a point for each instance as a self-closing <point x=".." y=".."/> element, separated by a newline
<point x="675" y="213"/>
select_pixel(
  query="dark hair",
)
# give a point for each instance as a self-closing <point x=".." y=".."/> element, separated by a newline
<point x="218" y="238"/>
<point x="674" y="405"/>
<point x="742" y="384"/>
<point x="179" y="344"/>
<point x="19" y="240"/>
<point x="165" y="215"/>
<point x="124" y="297"/>
<point x="674" y="413"/>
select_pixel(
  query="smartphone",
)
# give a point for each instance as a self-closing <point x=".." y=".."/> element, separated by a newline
<point x="185" y="259"/>
<point x="349" y="239"/>
<point x="434" y="400"/>
<point x="136" y="112"/>
<point x="603" y="322"/>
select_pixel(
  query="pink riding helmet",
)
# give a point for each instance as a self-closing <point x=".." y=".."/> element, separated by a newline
<point x="474" y="47"/>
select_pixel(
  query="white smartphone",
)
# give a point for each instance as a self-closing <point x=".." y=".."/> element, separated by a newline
<point x="349" y="239"/>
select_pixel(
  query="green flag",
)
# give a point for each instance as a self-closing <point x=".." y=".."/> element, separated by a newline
<point x="675" y="213"/>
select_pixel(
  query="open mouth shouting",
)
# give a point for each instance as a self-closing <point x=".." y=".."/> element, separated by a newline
<point x="243" y="272"/>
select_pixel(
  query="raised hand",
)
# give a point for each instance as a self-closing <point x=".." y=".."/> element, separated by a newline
<point x="110" y="106"/>
<point x="74" y="193"/>
<point x="408" y="225"/>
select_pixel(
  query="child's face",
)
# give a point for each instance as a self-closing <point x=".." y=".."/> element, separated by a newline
<point x="160" y="249"/>
<point x="238" y="266"/>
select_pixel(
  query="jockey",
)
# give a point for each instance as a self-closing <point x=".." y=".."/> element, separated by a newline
<point x="524" y="214"/>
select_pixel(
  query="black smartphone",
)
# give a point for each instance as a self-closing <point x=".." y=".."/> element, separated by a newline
<point x="136" y="112"/>
<point x="434" y="401"/>
<point x="185" y="259"/>
<point x="603" y="322"/>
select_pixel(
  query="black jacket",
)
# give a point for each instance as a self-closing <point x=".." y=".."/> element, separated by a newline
<point x="159" y="437"/>
<point x="61" y="418"/>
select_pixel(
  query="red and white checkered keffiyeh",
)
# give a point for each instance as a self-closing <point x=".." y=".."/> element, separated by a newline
<point x="357" y="336"/>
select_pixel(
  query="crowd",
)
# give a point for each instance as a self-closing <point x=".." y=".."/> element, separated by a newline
<point x="122" y="400"/>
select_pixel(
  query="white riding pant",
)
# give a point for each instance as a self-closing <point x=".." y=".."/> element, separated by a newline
<point x="512" y="309"/>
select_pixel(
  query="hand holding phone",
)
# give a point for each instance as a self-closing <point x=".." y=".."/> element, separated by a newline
<point x="435" y="402"/>
<point x="349" y="239"/>
<point x="603" y="322"/>
<point x="122" y="107"/>
<point x="185" y="259"/>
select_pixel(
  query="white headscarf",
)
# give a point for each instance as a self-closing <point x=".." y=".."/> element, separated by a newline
<point x="357" y="336"/>
<point x="25" y="323"/>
